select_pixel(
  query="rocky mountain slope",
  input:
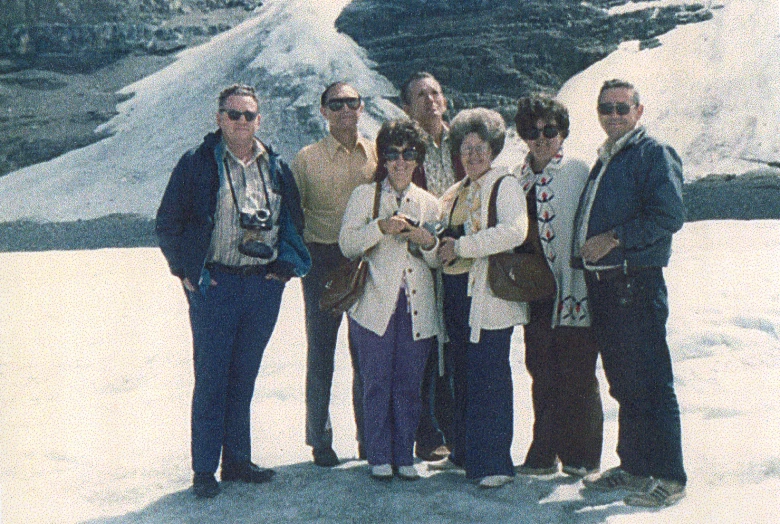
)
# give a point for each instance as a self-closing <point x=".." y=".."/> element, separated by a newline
<point x="489" y="53"/>
<point x="54" y="92"/>
<point x="61" y="66"/>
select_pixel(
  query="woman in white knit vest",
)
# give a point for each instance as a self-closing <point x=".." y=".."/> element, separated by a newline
<point x="560" y="349"/>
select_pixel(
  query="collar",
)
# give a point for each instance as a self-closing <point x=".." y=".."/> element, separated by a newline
<point x="398" y="195"/>
<point x="258" y="150"/>
<point x="493" y="174"/>
<point x="445" y="137"/>
<point x="605" y="153"/>
<point x="527" y="176"/>
<point x="333" y="146"/>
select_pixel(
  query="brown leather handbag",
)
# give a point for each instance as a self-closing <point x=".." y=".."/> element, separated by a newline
<point x="522" y="275"/>
<point x="345" y="283"/>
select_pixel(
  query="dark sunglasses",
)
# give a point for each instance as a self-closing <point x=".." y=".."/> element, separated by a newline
<point x="336" y="104"/>
<point x="534" y="133"/>
<point x="394" y="154"/>
<point x="620" y="108"/>
<point x="235" y="114"/>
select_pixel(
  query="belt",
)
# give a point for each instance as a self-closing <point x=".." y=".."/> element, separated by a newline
<point x="257" y="269"/>
<point x="603" y="275"/>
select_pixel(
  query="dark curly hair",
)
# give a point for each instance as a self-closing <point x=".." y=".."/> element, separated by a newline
<point x="531" y="109"/>
<point x="399" y="132"/>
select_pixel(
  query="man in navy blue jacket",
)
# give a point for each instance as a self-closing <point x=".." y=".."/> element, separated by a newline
<point x="628" y="212"/>
<point x="230" y="226"/>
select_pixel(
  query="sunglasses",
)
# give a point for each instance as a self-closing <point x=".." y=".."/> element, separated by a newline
<point x="534" y="133"/>
<point x="235" y="114"/>
<point x="408" y="154"/>
<point x="620" y="108"/>
<point x="337" y="104"/>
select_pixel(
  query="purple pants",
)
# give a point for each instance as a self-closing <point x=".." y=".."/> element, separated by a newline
<point x="392" y="370"/>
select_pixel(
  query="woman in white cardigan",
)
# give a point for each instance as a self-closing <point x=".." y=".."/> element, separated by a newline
<point x="479" y="324"/>
<point x="394" y="323"/>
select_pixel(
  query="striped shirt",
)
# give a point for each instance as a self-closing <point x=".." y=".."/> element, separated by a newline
<point x="251" y="196"/>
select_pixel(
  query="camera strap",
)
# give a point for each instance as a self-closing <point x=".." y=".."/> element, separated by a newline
<point x="233" y="190"/>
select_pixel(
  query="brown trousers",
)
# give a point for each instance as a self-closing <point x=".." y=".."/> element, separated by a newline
<point x="568" y="417"/>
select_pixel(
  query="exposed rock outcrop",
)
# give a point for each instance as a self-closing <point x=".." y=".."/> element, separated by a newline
<point x="491" y="53"/>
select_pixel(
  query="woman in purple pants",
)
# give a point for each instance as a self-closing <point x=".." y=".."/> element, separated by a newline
<point x="394" y="323"/>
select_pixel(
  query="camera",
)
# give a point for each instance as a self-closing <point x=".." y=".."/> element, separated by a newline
<point x="434" y="228"/>
<point x="260" y="220"/>
<point x="256" y="225"/>
<point x="453" y="232"/>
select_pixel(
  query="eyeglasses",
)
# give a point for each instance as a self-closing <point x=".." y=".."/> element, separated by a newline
<point x="336" y="104"/>
<point x="235" y="114"/>
<point x="407" y="154"/>
<point x="620" y="108"/>
<point x="479" y="149"/>
<point x="534" y="133"/>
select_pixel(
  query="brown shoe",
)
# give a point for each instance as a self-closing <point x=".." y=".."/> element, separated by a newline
<point x="525" y="469"/>
<point x="434" y="455"/>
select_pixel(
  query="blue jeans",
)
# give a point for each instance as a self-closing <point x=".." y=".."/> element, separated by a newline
<point x="483" y="423"/>
<point x="321" y="333"/>
<point x="231" y="325"/>
<point x="629" y="315"/>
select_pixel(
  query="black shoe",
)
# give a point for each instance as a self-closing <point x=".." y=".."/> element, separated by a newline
<point x="325" y="457"/>
<point x="205" y="486"/>
<point x="246" y="472"/>
<point x="432" y="455"/>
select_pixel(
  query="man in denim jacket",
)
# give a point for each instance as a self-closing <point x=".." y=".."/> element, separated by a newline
<point x="230" y="227"/>
<point x="628" y="212"/>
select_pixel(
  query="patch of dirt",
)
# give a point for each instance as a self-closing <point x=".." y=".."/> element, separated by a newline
<point x="44" y="114"/>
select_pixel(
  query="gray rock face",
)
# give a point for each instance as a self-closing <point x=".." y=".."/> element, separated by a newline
<point x="491" y="53"/>
<point x="82" y="36"/>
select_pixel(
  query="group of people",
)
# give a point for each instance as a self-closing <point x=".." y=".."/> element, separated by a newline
<point x="425" y="207"/>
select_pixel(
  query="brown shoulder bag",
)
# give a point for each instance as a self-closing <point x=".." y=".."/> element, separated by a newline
<point x="523" y="274"/>
<point x="345" y="283"/>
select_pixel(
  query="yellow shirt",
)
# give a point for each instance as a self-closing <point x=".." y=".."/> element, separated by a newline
<point x="326" y="173"/>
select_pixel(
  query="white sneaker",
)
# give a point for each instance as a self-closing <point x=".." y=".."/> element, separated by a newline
<point x="495" y="481"/>
<point x="408" y="473"/>
<point x="382" y="472"/>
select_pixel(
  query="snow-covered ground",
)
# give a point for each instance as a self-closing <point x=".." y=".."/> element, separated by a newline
<point x="710" y="90"/>
<point x="96" y="376"/>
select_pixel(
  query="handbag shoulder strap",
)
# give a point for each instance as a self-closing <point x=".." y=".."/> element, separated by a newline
<point x="532" y="234"/>
<point x="375" y="213"/>
<point x="377" y="194"/>
<point x="492" y="211"/>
